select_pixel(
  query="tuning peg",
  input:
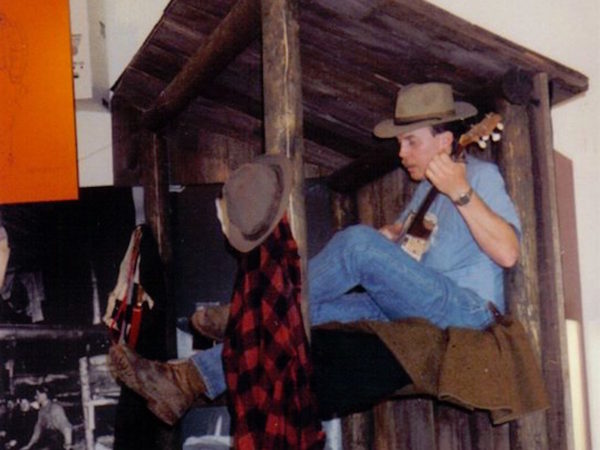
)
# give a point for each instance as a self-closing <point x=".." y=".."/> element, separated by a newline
<point x="500" y="126"/>
<point x="495" y="137"/>
<point x="485" y="137"/>
<point x="481" y="143"/>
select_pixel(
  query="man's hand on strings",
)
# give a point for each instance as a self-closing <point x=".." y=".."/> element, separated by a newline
<point x="449" y="177"/>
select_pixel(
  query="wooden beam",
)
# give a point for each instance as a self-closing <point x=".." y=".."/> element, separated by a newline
<point x="554" y="351"/>
<point x="282" y="92"/>
<point x="237" y="30"/>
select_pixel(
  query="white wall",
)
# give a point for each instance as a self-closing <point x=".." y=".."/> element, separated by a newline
<point x="117" y="29"/>
<point x="568" y="32"/>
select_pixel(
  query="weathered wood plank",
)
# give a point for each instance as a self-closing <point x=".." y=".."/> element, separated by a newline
<point x="357" y="431"/>
<point x="358" y="104"/>
<point x="366" y="203"/>
<point x="344" y="211"/>
<point x="462" y="44"/>
<point x="385" y="433"/>
<point x="554" y="351"/>
<point x="237" y="92"/>
<point x="486" y="436"/>
<point x="414" y="424"/>
<point x="452" y="428"/>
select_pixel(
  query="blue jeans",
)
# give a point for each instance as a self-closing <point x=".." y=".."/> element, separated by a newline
<point x="395" y="287"/>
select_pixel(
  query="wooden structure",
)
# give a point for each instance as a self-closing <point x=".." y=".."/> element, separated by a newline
<point x="98" y="389"/>
<point x="313" y="77"/>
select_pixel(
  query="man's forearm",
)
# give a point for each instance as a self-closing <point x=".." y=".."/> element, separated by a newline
<point x="68" y="435"/>
<point x="496" y="237"/>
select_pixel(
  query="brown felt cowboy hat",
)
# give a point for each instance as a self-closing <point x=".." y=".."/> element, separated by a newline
<point x="421" y="105"/>
<point x="254" y="199"/>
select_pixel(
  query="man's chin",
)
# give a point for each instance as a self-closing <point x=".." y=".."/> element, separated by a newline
<point x="415" y="176"/>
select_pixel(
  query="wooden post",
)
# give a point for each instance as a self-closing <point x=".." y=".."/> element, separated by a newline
<point x="155" y="180"/>
<point x="282" y="92"/>
<point x="554" y="351"/>
<point x="343" y="207"/>
<point x="522" y="290"/>
<point x="357" y="431"/>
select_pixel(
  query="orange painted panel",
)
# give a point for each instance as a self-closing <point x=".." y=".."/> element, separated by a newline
<point x="38" y="157"/>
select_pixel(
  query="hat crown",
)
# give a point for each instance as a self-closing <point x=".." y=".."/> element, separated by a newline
<point x="422" y="105"/>
<point x="424" y="101"/>
<point x="253" y="196"/>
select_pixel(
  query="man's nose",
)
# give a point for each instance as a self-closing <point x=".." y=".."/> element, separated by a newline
<point x="402" y="151"/>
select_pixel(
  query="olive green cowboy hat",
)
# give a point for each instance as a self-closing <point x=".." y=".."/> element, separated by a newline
<point x="422" y="105"/>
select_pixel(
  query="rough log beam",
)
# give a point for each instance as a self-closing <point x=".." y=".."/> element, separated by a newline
<point x="237" y="30"/>
<point x="282" y="92"/>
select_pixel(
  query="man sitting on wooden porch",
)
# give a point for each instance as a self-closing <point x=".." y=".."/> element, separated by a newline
<point x="456" y="273"/>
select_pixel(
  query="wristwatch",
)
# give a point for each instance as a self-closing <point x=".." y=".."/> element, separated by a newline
<point x="464" y="198"/>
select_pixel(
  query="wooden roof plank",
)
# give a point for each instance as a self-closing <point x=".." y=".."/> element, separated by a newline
<point x="232" y="35"/>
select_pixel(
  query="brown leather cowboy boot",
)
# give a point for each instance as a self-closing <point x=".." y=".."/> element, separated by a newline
<point x="211" y="321"/>
<point x="169" y="388"/>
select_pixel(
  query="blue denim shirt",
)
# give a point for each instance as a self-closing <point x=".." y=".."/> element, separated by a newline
<point x="453" y="251"/>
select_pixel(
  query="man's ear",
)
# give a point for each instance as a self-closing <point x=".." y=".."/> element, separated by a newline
<point x="446" y="139"/>
<point x="221" y="206"/>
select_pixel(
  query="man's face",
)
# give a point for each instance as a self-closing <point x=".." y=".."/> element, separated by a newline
<point x="418" y="147"/>
<point x="40" y="396"/>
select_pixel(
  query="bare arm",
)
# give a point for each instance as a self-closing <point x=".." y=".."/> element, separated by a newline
<point x="63" y="424"/>
<point x="496" y="237"/>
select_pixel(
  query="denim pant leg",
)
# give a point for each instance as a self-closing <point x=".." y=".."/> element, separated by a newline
<point x="210" y="366"/>
<point x="397" y="286"/>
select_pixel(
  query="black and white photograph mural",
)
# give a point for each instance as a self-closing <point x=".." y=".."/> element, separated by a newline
<point x="63" y="261"/>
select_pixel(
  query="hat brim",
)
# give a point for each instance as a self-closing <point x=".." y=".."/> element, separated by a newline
<point x="388" y="129"/>
<point x="235" y="237"/>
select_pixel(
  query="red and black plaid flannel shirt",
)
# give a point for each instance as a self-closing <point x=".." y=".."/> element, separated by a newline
<point x="266" y="355"/>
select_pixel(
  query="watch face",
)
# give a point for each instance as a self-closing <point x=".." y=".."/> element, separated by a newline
<point x="464" y="198"/>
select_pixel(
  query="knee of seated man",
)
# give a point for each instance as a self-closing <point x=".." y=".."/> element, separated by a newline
<point x="356" y="235"/>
